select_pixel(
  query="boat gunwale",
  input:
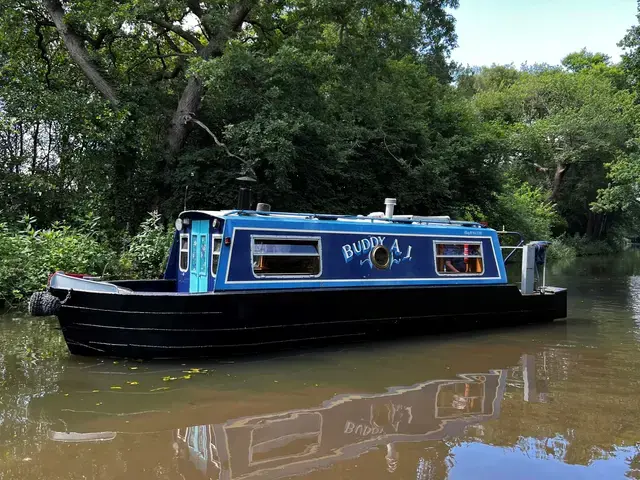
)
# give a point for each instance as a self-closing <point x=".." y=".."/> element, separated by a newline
<point x="549" y="290"/>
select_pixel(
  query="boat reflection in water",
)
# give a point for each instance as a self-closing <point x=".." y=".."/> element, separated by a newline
<point x="299" y="441"/>
<point x="410" y="429"/>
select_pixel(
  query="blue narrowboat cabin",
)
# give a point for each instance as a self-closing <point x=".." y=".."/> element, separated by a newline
<point x="244" y="279"/>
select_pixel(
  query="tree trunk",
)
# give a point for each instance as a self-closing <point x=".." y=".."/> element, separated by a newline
<point x="597" y="228"/>
<point x="558" y="177"/>
<point x="189" y="104"/>
<point x="191" y="98"/>
<point x="49" y="144"/>
<point x="21" y="151"/>
<point x="596" y="225"/>
<point x="590" y="222"/>
<point x="77" y="50"/>
<point x="34" y="155"/>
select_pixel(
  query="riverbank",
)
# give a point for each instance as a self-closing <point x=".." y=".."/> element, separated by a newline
<point x="567" y="247"/>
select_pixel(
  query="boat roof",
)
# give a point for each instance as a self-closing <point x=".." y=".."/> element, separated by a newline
<point x="375" y="217"/>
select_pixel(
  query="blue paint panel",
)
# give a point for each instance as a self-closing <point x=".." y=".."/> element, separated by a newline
<point x="199" y="257"/>
<point x="218" y="230"/>
<point x="183" y="276"/>
<point x="344" y="253"/>
<point x="171" y="268"/>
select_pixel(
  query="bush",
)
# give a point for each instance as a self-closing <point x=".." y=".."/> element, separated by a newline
<point x="568" y="247"/>
<point x="561" y="250"/>
<point x="148" y="250"/>
<point x="525" y="209"/>
<point x="28" y="256"/>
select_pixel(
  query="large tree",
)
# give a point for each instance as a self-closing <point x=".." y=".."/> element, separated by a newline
<point x="562" y="128"/>
<point x="307" y="95"/>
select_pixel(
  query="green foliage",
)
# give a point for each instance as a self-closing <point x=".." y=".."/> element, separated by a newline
<point x="147" y="254"/>
<point x="525" y="209"/>
<point x="331" y="106"/>
<point x="300" y="94"/>
<point x="578" y="61"/>
<point x="28" y="256"/>
<point x="561" y="251"/>
<point x="561" y="129"/>
<point x="567" y="247"/>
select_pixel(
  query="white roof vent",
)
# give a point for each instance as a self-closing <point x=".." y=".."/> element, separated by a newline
<point x="389" y="204"/>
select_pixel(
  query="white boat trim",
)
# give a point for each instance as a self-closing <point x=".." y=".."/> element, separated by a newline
<point x="66" y="282"/>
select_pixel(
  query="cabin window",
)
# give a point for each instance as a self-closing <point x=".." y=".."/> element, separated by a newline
<point x="286" y="257"/>
<point x="184" y="252"/>
<point x="216" y="245"/>
<point x="459" y="258"/>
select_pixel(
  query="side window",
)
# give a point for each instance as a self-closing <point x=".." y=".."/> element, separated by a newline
<point x="289" y="257"/>
<point x="459" y="258"/>
<point x="184" y="252"/>
<point x="194" y="253"/>
<point x="216" y="244"/>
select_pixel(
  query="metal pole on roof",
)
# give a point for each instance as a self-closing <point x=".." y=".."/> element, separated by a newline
<point x="544" y="272"/>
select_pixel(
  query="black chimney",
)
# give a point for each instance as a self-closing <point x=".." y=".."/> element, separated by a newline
<point x="244" y="199"/>
<point x="244" y="194"/>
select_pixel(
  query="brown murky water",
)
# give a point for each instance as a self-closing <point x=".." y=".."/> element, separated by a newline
<point x="558" y="401"/>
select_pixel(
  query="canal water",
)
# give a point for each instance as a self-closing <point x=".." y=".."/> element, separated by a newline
<point x="551" y="402"/>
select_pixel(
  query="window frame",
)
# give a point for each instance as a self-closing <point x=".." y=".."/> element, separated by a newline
<point x="436" y="243"/>
<point x="284" y="276"/>
<point x="188" y="250"/>
<point x="215" y="237"/>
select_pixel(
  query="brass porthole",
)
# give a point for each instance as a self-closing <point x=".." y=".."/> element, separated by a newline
<point x="380" y="257"/>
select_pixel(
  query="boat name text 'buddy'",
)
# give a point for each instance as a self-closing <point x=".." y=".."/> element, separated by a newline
<point x="365" y="245"/>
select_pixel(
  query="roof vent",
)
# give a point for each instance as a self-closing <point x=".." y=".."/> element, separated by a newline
<point x="263" y="207"/>
<point x="389" y="204"/>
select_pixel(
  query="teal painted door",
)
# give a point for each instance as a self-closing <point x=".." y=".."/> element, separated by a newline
<point x="199" y="256"/>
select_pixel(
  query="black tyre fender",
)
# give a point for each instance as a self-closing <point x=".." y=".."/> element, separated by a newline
<point x="43" y="304"/>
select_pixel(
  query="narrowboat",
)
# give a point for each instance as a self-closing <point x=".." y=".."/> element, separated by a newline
<point x="249" y="279"/>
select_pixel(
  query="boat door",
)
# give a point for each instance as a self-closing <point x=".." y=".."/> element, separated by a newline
<point x="199" y="255"/>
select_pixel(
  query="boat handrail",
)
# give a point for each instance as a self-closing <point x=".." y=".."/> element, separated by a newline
<point x="400" y="219"/>
<point x="511" y="233"/>
<point x="514" y="248"/>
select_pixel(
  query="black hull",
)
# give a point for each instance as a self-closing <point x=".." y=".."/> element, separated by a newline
<point x="166" y="325"/>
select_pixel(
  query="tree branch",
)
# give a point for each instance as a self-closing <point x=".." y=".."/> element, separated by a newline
<point x="97" y="42"/>
<point x="43" y="52"/>
<point x="540" y="168"/>
<point x="157" y="57"/>
<point x="188" y="36"/>
<point x="237" y="17"/>
<point x="164" y="64"/>
<point x="189" y="118"/>
<point x="203" y="17"/>
<point x="191" y="97"/>
<point x="171" y="43"/>
<point x="194" y="6"/>
<point x="78" y="52"/>
<point x="168" y="75"/>
<point x="399" y="160"/>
